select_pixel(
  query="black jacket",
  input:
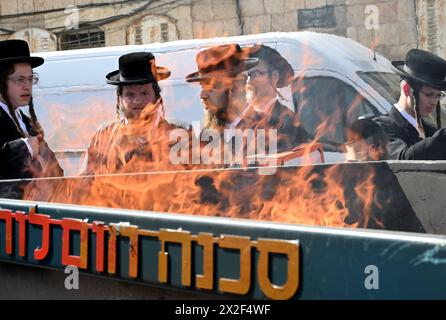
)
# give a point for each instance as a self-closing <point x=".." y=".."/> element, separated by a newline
<point x="15" y="160"/>
<point x="405" y="143"/>
<point x="290" y="133"/>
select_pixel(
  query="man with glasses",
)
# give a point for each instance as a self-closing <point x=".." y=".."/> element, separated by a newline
<point x="23" y="150"/>
<point x="223" y="95"/>
<point x="222" y="81"/>
<point x="265" y="110"/>
<point x="423" y="78"/>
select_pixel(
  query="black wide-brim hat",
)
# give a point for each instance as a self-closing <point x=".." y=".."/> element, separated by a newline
<point x="17" y="51"/>
<point x="137" y="68"/>
<point x="227" y="59"/>
<point x="424" y="67"/>
<point x="275" y="61"/>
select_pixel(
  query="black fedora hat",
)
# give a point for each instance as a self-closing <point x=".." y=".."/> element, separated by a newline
<point x="424" y="67"/>
<point x="16" y="51"/>
<point x="276" y="61"/>
<point x="227" y="59"/>
<point x="137" y="68"/>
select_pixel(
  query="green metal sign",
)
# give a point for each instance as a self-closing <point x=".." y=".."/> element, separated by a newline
<point x="233" y="257"/>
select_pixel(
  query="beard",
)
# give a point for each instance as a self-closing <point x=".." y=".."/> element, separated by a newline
<point x="144" y="114"/>
<point x="258" y="96"/>
<point x="216" y="119"/>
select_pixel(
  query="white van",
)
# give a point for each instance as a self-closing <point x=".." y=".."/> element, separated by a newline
<point x="337" y="80"/>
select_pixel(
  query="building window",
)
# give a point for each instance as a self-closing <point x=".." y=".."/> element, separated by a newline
<point x="82" y="38"/>
<point x="138" y="35"/>
<point x="151" y="29"/>
<point x="164" y="32"/>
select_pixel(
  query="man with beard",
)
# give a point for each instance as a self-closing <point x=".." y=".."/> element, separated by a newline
<point x="223" y="83"/>
<point x="265" y="110"/>
<point x="140" y="140"/>
<point x="220" y="74"/>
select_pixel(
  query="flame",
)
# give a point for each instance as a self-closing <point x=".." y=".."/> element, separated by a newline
<point x="375" y="42"/>
<point x="309" y="195"/>
<point x="303" y="195"/>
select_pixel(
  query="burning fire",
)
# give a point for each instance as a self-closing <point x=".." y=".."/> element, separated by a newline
<point x="310" y="194"/>
<point x="302" y="195"/>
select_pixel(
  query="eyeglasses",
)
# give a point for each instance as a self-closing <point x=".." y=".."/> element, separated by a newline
<point x="256" y="73"/>
<point x="21" y="81"/>
<point x="433" y="96"/>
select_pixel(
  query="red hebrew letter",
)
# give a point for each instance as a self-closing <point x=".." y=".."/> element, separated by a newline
<point x="7" y="216"/>
<point x="44" y="221"/>
<point x="21" y="219"/>
<point x="99" y="229"/>
<point x="71" y="260"/>
<point x="132" y="233"/>
<point x="111" y="266"/>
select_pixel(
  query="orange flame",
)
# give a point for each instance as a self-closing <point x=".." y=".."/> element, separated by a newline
<point x="303" y="195"/>
<point x="308" y="195"/>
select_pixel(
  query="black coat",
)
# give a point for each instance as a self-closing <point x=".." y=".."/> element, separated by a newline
<point x="404" y="140"/>
<point x="15" y="159"/>
<point x="290" y="133"/>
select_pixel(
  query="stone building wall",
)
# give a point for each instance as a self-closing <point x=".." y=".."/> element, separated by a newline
<point x="395" y="31"/>
<point x="389" y="26"/>
<point x="432" y="25"/>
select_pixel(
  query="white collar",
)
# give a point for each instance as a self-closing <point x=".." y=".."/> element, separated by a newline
<point x="5" y="107"/>
<point x="18" y="114"/>
<point x="234" y="123"/>
<point x="17" y="110"/>
<point x="237" y="120"/>
<point x="231" y="126"/>
<point x="408" y="117"/>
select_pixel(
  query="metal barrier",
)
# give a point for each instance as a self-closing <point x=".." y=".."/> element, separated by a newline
<point x="239" y="258"/>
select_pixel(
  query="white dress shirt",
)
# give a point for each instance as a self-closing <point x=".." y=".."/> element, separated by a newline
<point x="230" y="127"/>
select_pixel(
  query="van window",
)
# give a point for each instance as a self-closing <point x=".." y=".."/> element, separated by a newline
<point x="182" y="101"/>
<point x="71" y="118"/>
<point x="326" y="106"/>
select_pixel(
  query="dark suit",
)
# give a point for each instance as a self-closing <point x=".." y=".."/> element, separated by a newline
<point x="290" y="133"/>
<point x="404" y="140"/>
<point x="15" y="159"/>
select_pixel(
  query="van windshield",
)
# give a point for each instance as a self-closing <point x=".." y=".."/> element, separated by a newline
<point x="386" y="83"/>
